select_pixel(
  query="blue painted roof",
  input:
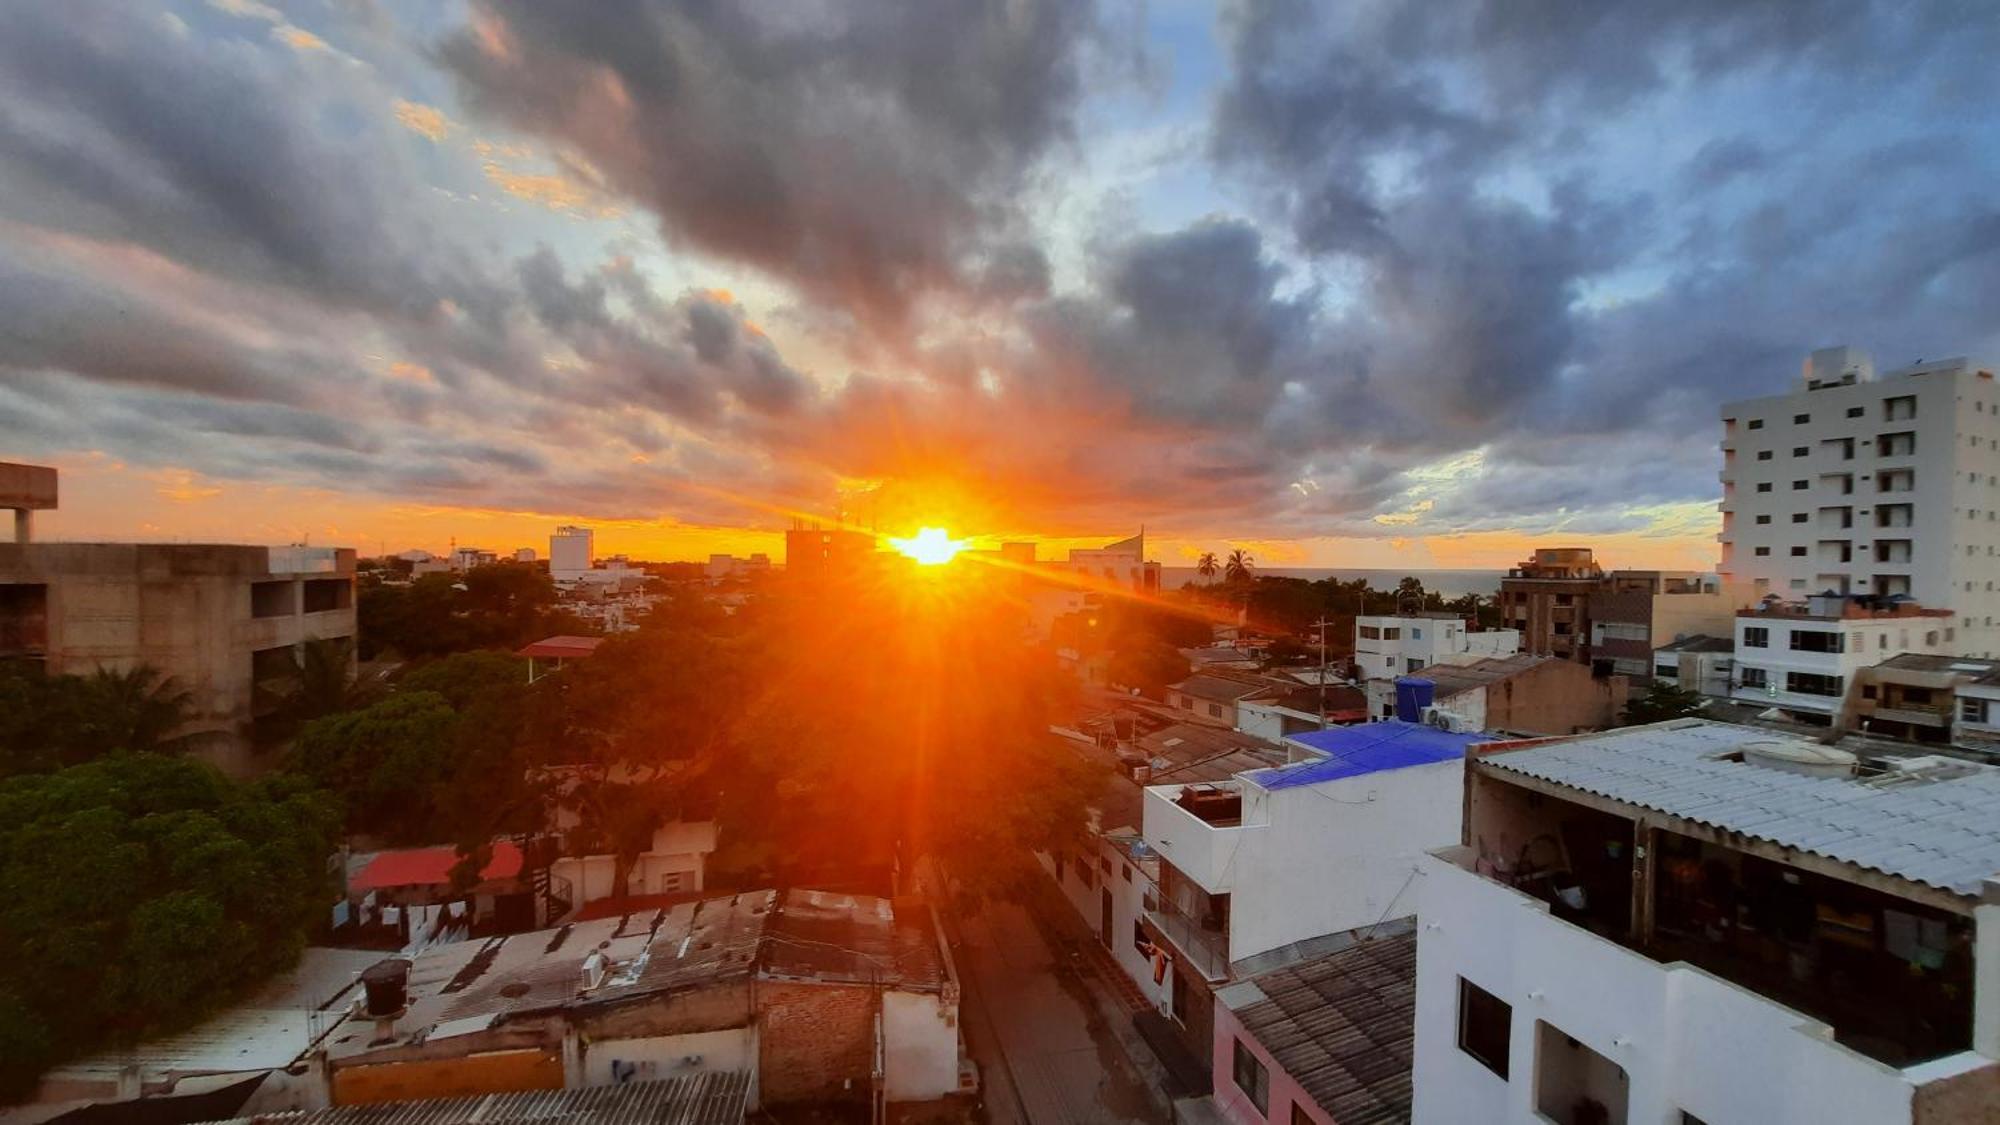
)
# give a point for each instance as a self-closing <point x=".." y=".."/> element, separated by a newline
<point x="1368" y="748"/>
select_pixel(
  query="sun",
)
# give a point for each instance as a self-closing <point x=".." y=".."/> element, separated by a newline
<point x="930" y="546"/>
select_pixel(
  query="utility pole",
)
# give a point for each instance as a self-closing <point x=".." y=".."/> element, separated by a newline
<point x="1322" y="623"/>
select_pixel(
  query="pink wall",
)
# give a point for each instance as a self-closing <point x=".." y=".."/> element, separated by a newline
<point x="1234" y="1103"/>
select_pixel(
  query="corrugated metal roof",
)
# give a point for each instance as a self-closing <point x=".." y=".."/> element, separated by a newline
<point x="1224" y="689"/>
<point x="714" y="1098"/>
<point x="1942" y="832"/>
<point x="1367" y="748"/>
<point x="1343" y="1026"/>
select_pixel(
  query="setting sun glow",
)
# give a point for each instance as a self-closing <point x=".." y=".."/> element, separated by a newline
<point x="930" y="546"/>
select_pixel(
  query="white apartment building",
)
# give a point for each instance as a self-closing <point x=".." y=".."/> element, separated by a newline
<point x="1870" y="485"/>
<point x="1387" y="646"/>
<point x="572" y="551"/>
<point x="1804" y="658"/>
<point x="1660" y="925"/>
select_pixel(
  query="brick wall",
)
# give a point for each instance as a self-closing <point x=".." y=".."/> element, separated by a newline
<point x="817" y="1041"/>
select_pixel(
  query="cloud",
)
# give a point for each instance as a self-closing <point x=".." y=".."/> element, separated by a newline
<point x="424" y="120"/>
<point x="869" y="156"/>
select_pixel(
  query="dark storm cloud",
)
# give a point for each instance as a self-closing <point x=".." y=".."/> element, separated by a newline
<point x="866" y="153"/>
<point x="1391" y="142"/>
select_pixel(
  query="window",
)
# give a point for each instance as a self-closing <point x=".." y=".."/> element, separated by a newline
<point x="1798" y="517"/>
<point x="1141" y="944"/>
<point x="1755" y="678"/>
<point x="1125" y="869"/>
<point x="1801" y="485"/>
<point x="1416" y="634"/>
<point x="1761" y="520"/>
<point x="1755" y="424"/>
<point x="1856" y="411"/>
<point x="1813" y="640"/>
<point x="1971" y="710"/>
<point x="1764" y="486"/>
<point x="1801" y="419"/>
<point x="1666" y="671"/>
<point x="1300" y="1116"/>
<point x="1371" y="633"/>
<point x="1813" y="683"/>
<point x="1485" y="1024"/>
<point x="1756" y="636"/>
<point x="1215" y="710"/>
<point x="1565" y="599"/>
<point x="1763" y="455"/>
<point x="271" y="599"/>
<point x="1248" y="1072"/>
<point x="1392" y="634"/>
<point x="1798" y="552"/>
<point x="1801" y="450"/>
<point x="1762" y="551"/>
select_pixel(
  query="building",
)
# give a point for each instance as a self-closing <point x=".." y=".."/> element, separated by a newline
<point x="1518" y="694"/>
<point x="1213" y="697"/>
<point x="1273" y="865"/>
<point x="720" y="567"/>
<point x="1860" y="484"/>
<point x="227" y="623"/>
<point x="524" y="554"/>
<point x="1698" y="663"/>
<point x="708" y="1098"/>
<point x="1388" y="645"/>
<point x="465" y="558"/>
<point x="550" y="654"/>
<point x="27" y="489"/>
<point x="1324" y="1041"/>
<point x="1922" y="697"/>
<point x="1676" y="922"/>
<point x="1116" y="564"/>
<point x="1547" y="597"/>
<point x="813" y="552"/>
<point x="675" y="863"/>
<point x="572" y="553"/>
<point x="821" y="997"/>
<point x="1286" y="711"/>
<point x="1803" y="658"/>
<point x="1635" y="612"/>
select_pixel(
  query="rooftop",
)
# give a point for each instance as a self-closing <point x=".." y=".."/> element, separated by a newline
<point x="1342" y="1025"/>
<point x="1943" y="831"/>
<point x="1451" y="679"/>
<point x="425" y="867"/>
<point x="1222" y="689"/>
<point x="561" y="647"/>
<point x="1367" y="748"/>
<point x="712" y="1098"/>
<point x="1700" y="642"/>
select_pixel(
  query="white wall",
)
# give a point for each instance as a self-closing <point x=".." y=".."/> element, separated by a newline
<point x="661" y="1057"/>
<point x="1315" y="859"/>
<point x="920" y="1046"/>
<point x="1866" y="641"/>
<point x="1686" y="1040"/>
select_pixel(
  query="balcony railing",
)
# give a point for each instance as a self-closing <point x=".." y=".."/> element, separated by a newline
<point x="1204" y="943"/>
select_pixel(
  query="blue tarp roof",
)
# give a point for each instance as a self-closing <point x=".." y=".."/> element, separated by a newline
<point x="1368" y="748"/>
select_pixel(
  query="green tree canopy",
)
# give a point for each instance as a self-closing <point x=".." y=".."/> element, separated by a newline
<point x="48" y="722"/>
<point x="139" y="893"/>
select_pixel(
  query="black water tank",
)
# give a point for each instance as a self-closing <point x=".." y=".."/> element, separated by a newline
<point x="387" y="985"/>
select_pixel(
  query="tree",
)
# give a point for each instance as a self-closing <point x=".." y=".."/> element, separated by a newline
<point x="142" y="893"/>
<point x="1662" y="701"/>
<point x="1239" y="566"/>
<point x="1207" y="566"/>
<point x="1410" y="587"/>
<point x="47" y="722"/>
<point x="1149" y="667"/>
<point x="387" y="763"/>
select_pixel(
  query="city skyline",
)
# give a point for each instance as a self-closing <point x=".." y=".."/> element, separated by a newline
<point x="1358" y="291"/>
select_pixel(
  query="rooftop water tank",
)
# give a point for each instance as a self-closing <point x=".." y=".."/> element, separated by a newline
<point x="386" y="983"/>
<point x="1807" y="759"/>
<point x="1413" y="694"/>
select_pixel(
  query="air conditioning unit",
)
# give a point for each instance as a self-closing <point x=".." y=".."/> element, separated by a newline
<point x="1445" y="720"/>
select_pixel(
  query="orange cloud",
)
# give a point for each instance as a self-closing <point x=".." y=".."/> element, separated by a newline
<point x="427" y="121"/>
<point x="557" y="193"/>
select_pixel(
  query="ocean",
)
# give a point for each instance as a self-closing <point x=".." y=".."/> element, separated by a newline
<point x="1450" y="583"/>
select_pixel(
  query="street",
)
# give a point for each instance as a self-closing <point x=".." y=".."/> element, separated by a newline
<point x="1051" y="1051"/>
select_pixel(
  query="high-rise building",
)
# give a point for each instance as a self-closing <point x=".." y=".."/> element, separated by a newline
<point x="571" y="553"/>
<point x="1866" y="485"/>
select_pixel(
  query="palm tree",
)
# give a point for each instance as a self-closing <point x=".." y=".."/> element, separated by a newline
<point x="1207" y="566"/>
<point x="1238" y="568"/>
<point x="140" y="709"/>
<point x="1410" y="587"/>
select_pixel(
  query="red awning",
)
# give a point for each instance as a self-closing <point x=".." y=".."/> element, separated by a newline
<point x="430" y="867"/>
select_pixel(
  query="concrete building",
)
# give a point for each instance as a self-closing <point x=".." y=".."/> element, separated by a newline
<point x="27" y="489"/>
<point x="1862" y="484"/>
<point x="720" y="567"/>
<point x="1698" y="663"/>
<point x="465" y="558"/>
<point x="572" y="552"/>
<point x="1388" y="645"/>
<point x="1635" y="612"/>
<point x="1669" y="923"/>
<point x="1116" y="564"/>
<point x="1273" y="865"/>
<point x="812" y="552"/>
<point x="1803" y="658"/>
<point x="1547" y="597"/>
<point x="524" y="554"/>
<point x="1214" y="697"/>
<point x="227" y="623"/>
<point x="1518" y="694"/>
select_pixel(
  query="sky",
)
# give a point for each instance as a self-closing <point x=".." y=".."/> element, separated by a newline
<point x="1352" y="284"/>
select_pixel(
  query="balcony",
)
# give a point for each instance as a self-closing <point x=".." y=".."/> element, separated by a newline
<point x="1203" y="942"/>
<point x="1198" y="829"/>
